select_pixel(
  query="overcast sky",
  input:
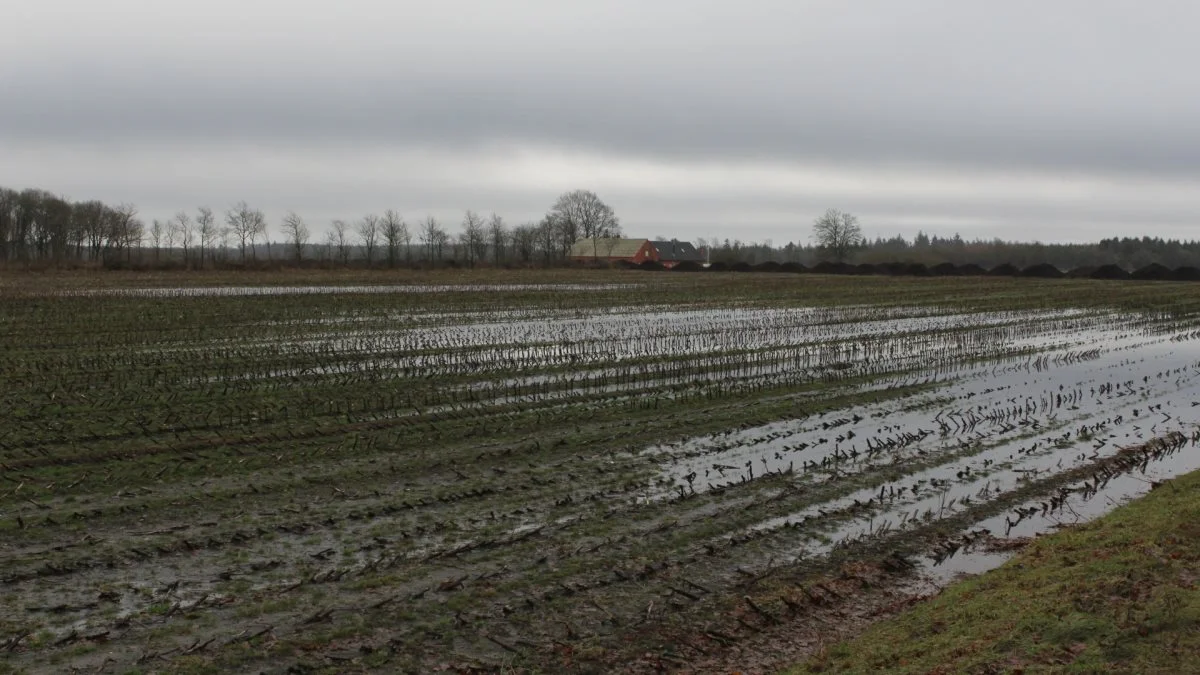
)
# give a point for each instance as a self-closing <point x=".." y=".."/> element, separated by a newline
<point x="1067" y="120"/>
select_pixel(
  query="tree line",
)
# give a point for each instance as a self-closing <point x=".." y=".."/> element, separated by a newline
<point x="37" y="226"/>
<point x="837" y="237"/>
<point x="1130" y="253"/>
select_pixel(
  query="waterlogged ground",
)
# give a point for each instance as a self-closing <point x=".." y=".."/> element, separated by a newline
<point x="623" y="475"/>
<point x="979" y="433"/>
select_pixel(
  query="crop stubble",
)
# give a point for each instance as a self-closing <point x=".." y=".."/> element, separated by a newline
<point x="545" y="475"/>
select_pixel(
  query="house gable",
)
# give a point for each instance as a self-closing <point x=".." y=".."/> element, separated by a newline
<point x="676" y="251"/>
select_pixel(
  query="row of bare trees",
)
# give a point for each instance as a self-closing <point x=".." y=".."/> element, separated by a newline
<point x="390" y="239"/>
<point x="481" y="240"/>
<point x="38" y="225"/>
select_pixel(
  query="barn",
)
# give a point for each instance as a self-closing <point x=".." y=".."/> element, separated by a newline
<point x="611" y="250"/>
<point x="636" y="251"/>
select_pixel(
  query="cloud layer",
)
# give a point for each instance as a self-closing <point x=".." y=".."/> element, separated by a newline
<point x="1017" y="120"/>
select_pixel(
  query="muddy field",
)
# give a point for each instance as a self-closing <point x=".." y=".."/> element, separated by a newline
<point x="628" y="472"/>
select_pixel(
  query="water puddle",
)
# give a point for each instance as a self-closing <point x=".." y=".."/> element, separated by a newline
<point x="236" y="291"/>
<point x="986" y="432"/>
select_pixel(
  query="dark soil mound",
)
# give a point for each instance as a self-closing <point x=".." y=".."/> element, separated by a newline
<point x="916" y="270"/>
<point x="688" y="266"/>
<point x="651" y="266"/>
<point x="741" y="267"/>
<point x="892" y="268"/>
<point x="1186" y="274"/>
<point x="769" y="266"/>
<point x="1084" y="272"/>
<point x="626" y="265"/>
<point x="1152" y="272"/>
<point x="866" y="269"/>
<point x="944" y="270"/>
<point x="1042" y="271"/>
<point x="1110" y="272"/>
<point x="718" y="267"/>
<point x="826" y="267"/>
<point x="1005" y="270"/>
<point x="971" y="270"/>
<point x="794" y="267"/>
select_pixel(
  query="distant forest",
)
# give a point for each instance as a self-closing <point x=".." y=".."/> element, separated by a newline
<point x="39" y="228"/>
<point x="1130" y="253"/>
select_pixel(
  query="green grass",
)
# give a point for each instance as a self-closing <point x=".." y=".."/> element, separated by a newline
<point x="1115" y="595"/>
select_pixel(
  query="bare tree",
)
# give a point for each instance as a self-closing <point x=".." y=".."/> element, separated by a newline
<point x="395" y="232"/>
<point x="133" y="233"/>
<point x="49" y="224"/>
<point x="227" y="239"/>
<point x="61" y="219"/>
<point x="296" y="232"/>
<point x="498" y="234"/>
<point x="80" y="214"/>
<point x="330" y="246"/>
<point x="339" y="239"/>
<point x="98" y="230"/>
<point x="433" y="237"/>
<point x="91" y="219"/>
<point x="170" y="236"/>
<point x="8" y="204"/>
<point x="43" y="224"/>
<point x="406" y="236"/>
<point x="581" y="214"/>
<point x="548" y="235"/>
<point x="24" y="215"/>
<point x="246" y="224"/>
<point x="260" y="230"/>
<point x="208" y="231"/>
<point x="187" y="233"/>
<point x="524" y="242"/>
<point x="124" y="231"/>
<point x="838" y="233"/>
<point x="157" y="232"/>
<point x="473" y="237"/>
<point x="325" y="250"/>
<point x="368" y="234"/>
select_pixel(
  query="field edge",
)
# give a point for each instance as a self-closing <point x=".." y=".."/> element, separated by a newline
<point x="1117" y="594"/>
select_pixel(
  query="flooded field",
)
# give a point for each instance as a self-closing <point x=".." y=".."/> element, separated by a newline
<point x="549" y="477"/>
<point x="243" y="291"/>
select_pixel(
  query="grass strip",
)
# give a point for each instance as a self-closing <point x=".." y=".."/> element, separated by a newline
<point x="1118" y="594"/>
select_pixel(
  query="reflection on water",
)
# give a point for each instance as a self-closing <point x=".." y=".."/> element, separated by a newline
<point x="988" y="430"/>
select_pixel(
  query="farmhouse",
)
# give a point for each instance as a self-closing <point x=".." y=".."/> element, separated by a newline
<point x="671" y="253"/>
<point x="636" y="251"/>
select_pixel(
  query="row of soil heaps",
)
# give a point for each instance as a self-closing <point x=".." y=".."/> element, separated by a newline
<point x="1151" y="272"/>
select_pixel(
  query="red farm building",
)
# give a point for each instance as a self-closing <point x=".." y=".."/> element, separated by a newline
<point x="636" y="251"/>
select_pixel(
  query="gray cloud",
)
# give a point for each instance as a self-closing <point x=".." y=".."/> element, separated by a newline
<point x="1074" y="91"/>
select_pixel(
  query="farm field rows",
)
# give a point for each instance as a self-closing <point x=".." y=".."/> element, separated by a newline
<point x="545" y="471"/>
